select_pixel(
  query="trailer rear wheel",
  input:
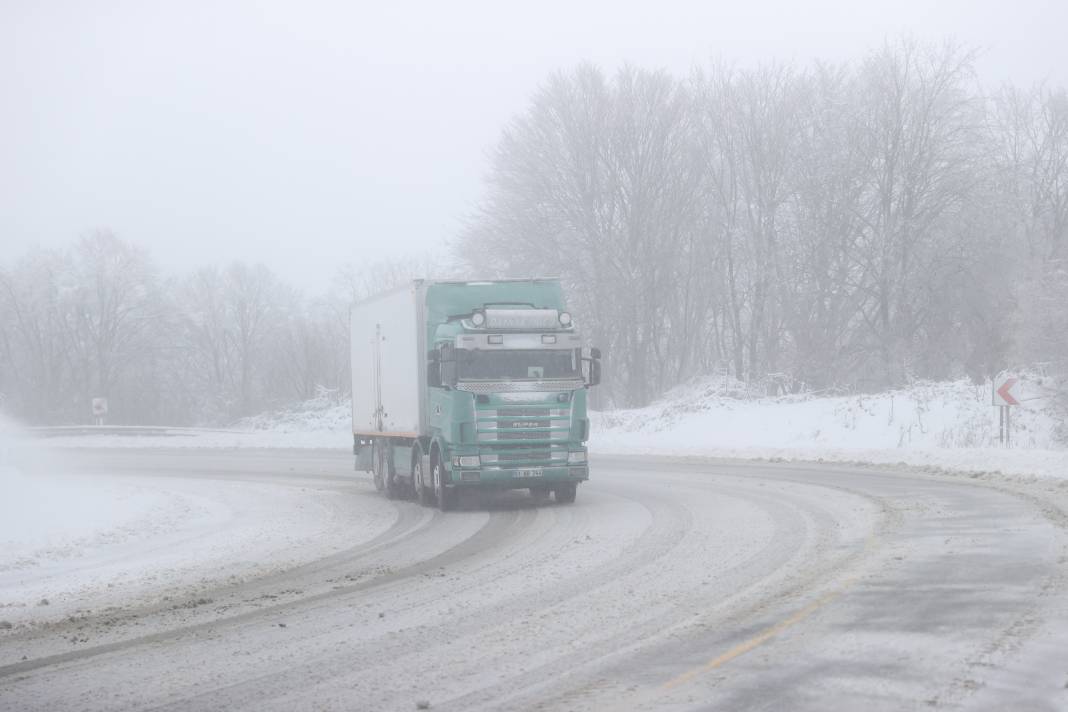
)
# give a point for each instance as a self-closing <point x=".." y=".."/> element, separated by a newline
<point x="565" y="493"/>
<point x="376" y="466"/>
<point x="384" y="472"/>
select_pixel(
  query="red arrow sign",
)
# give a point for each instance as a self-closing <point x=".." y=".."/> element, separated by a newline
<point x="1004" y="392"/>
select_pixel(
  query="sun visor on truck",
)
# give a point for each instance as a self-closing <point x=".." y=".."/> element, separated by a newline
<point x="532" y="319"/>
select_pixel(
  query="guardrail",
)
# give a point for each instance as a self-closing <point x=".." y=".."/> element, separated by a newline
<point x="52" y="431"/>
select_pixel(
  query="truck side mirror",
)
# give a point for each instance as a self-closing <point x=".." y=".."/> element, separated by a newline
<point x="593" y="372"/>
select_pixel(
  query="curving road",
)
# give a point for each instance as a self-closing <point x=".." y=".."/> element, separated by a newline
<point x="668" y="585"/>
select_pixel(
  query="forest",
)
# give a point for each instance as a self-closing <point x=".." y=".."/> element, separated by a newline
<point x="829" y="227"/>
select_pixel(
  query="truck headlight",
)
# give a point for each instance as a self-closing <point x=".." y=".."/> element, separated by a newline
<point x="466" y="461"/>
<point x="573" y="457"/>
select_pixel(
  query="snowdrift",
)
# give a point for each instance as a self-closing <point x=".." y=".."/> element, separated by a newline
<point x="949" y="425"/>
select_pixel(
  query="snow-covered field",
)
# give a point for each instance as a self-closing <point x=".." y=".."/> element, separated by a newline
<point x="74" y="539"/>
<point x="949" y="426"/>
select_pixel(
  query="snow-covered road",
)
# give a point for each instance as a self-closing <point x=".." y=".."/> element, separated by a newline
<point x="669" y="584"/>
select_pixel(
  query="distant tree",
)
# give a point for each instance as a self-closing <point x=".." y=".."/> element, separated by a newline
<point x="114" y="324"/>
<point x="1030" y="129"/>
<point x="918" y="126"/>
<point x="36" y="339"/>
<point x="598" y="183"/>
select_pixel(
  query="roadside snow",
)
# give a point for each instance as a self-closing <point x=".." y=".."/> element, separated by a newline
<point x="55" y="517"/>
<point x="81" y="531"/>
<point x="941" y="425"/>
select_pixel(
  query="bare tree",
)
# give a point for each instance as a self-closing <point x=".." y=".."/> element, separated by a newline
<point x="598" y="183"/>
<point x="35" y="339"/>
<point x="917" y="126"/>
<point x="117" y="310"/>
<point x="1030" y="129"/>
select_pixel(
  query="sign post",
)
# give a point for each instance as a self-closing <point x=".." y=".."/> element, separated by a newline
<point x="1004" y="399"/>
<point x="100" y="410"/>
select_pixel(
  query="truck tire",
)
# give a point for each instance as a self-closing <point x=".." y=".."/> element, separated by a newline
<point x="446" y="498"/>
<point x="423" y="494"/>
<point x="376" y="467"/>
<point x="384" y="471"/>
<point x="565" y="493"/>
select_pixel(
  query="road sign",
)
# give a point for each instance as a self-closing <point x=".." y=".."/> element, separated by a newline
<point x="1003" y="394"/>
<point x="100" y="407"/>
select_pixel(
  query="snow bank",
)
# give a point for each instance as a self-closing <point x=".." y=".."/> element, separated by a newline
<point x="318" y="415"/>
<point x="949" y="425"/>
<point x="49" y="513"/>
<point x="50" y="519"/>
<point x="83" y="531"/>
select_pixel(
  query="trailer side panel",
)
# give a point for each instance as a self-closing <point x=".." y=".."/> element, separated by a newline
<point x="385" y="363"/>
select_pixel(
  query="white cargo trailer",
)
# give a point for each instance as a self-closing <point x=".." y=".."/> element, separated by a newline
<point x="388" y="371"/>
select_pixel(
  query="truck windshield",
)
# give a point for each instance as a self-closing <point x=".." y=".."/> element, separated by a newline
<point x="515" y="364"/>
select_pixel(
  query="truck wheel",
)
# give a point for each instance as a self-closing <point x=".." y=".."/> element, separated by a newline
<point x="446" y="499"/>
<point x="376" y="467"/>
<point x="384" y="471"/>
<point x="539" y="493"/>
<point x="423" y="494"/>
<point x="565" y="493"/>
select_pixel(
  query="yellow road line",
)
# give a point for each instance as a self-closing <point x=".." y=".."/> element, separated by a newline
<point x="763" y="637"/>
<point x="769" y="633"/>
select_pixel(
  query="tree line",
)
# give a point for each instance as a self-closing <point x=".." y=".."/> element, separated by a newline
<point x="856" y="225"/>
<point x="795" y="228"/>
<point x="98" y="319"/>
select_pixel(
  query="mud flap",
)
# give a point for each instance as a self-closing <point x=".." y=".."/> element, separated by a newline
<point x="364" y="451"/>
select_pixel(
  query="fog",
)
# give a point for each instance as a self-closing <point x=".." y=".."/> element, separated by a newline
<point x="737" y="450"/>
<point x="833" y="197"/>
<point x="359" y="130"/>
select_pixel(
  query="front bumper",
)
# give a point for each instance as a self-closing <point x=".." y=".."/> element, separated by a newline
<point x="518" y="478"/>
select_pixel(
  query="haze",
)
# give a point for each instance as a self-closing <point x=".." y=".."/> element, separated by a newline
<point x="306" y="138"/>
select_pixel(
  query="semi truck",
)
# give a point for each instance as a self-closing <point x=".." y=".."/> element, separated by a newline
<point x="463" y="386"/>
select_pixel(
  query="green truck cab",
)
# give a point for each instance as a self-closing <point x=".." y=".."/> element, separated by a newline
<point x="471" y="386"/>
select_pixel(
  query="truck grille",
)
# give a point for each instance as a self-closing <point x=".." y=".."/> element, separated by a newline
<point x="523" y="423"/>
<point x="511" y="412"/>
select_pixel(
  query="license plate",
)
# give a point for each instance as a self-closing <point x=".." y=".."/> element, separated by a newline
<point x="535" y="472"/>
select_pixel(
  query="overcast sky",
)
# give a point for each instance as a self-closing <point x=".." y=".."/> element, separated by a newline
<point x="308" y="134"/>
